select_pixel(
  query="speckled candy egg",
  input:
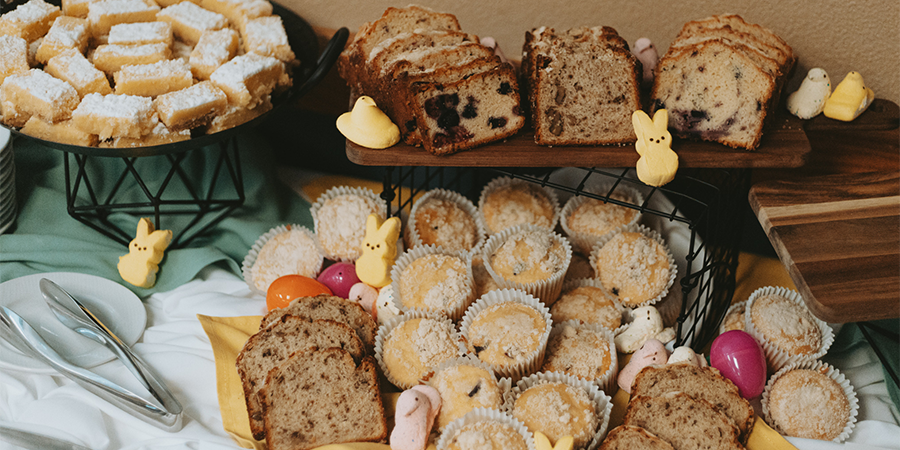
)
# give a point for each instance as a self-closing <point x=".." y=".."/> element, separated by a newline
<point x="339" y="277"/>
<point x="740" y="359"/>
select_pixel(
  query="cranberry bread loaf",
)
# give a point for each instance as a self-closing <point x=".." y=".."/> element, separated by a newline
<point x="713" y="92"/>
<point x="704" y="383"/>
<point x="394" y="21"/>
<point x="625" y="437"/>
<point x="481" y="108"/>
<point x="583" y="86"/>
<point x="322" y="397"/>
<point x="333" y="308"/>
<point x="684" y="422"/>
<point x="271" y="346"/>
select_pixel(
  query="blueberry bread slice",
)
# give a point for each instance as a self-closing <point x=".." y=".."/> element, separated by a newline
<point x="472" y="111"/>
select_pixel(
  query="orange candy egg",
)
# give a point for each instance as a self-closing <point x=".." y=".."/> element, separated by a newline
<point x="286" y="288"/>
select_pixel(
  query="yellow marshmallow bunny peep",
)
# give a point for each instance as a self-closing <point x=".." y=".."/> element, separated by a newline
<point x="145" y="252"/>
<point x="658" y="163"/>
<point x="378" y="251"/>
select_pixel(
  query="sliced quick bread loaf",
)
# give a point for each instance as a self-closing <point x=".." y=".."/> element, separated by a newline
<point x="271" y="346"/>
<point x="481" y="108"/>
<point x="584" y="87"/>
<point x="780" y="58"/>
<point x="699" y="382"/>
<point x="625" y="437"/>
<point x="333" y="308"/>
<point x="394" y="21"/>
<point x="713" y="92"/>
<point x="738" y="23"/>
<point x="322" y="397"/>
<point x="684" y="422"/>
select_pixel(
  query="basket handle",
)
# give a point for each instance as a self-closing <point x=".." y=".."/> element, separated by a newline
<point x="327" y="59"/>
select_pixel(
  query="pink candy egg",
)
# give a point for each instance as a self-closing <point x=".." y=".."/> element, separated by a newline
<point x="339" y="277"/>
<point x="740" y="359"/>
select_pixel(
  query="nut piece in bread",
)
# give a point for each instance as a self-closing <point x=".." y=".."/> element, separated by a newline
<point x="272" y="346"/>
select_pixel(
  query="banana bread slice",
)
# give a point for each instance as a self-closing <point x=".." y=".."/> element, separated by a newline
<point x="699" y="382"/>
<point x="393" y="22"/>
<point x="713" y="92"/>
<point x="333" y="308"/>
<point x="684" y="422"/>
<point x="322" y="397"/>
<point x="481" y="108"/>
<point x="625" y="437"/>
<point x="584" y="87"/>
<point x="738" y="23"/>
<point x="271" y="346"/>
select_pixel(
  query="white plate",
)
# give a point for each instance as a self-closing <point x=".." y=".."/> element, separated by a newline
<point x="116" y="306"/>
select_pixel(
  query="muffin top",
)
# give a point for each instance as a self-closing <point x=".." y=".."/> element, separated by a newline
<point x="517" y="203"/>
<point x="415" y="346"/>
<point x="487" y="435"/>
<point x="506" y="333"/>
<point x="577" y="351"/>
<point x="444" y="223"/>
<point x="596" y="217"/>
<point x="557" y="410"/>
<point x="734" y="320"/>
<point x="463" y="388"/>
<point x="291" y="252"/>
<point x="786" y="324"/>
<point x="529" y="256"/>
<point x="341" y="224"/>
<point x="587" y="304"/>
<point x="808" y="404"/>
<point x="632" y="267"/>
<point x="435" y="282"/>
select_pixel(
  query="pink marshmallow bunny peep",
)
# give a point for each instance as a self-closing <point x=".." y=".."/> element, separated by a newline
<point x="414" y="416"/>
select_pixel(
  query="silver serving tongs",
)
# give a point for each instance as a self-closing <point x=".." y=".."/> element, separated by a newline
<point x="21" y="334"/>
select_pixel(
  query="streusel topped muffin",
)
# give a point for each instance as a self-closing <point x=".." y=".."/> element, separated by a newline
<point x="464" y="384"/>
<point x="808" y="404"/>
<point x="429" y="278"/>
<point x="446" y="219"/>
<point x="506" y="202"/>
<point x="583" y="301"/>
<point x="583" y="351"/>
<point x="786" y="324"/>
<point x="634" y="268"/>
<point x="557" y="409"/>
<point x="528" y="256"/>
<point x="411" y="346"/>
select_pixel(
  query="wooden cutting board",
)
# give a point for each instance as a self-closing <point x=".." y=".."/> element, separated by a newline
<point x="839" y="237"/>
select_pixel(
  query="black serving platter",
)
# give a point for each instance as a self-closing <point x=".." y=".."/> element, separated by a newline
<point x="313" y="67"/>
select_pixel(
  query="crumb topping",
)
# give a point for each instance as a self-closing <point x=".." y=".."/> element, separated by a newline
<point x="442" y="222"/>
<point x="506" y="333"/>
<point x="435" y="282"/>
<point x="464" y="388"/>
<point x="587" y="304"/>
<point x="517" y="204"/>
<point x="286" y="253"/>
<point x="598" y="218"/>
<point x="633" y="267"/>
<point x="557" y="410"/>
<point x="578" y="352"/>
<point x="487" y="435"/>
<point x="528" y="256"/>
<point x="786" y="324"/>
<point x="808" y="404"/>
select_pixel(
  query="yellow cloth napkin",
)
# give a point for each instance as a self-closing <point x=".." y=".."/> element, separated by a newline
<point x="227" y="336"/>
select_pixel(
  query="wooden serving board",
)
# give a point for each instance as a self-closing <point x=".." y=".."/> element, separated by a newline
<point x="784" y="145"/>
<point x="839" y="237"/>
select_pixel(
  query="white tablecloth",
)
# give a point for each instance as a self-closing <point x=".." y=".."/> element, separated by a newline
<point x="176" y="346"/>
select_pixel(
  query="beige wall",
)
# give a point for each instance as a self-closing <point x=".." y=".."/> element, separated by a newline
<point x="838" y="36"/>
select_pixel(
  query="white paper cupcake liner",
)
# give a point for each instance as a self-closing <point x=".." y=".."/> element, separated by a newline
<point x="381" y="207"/>
<point x="735" y="307"/>
<point x="411" y="233"/>
<point x="607" y="381"/>
<point x="546" y="290"/>
<point x="504" y="181"/>
<point x="602" y="401"/>
<point x="455" y="311"/>
<point x="593" y="282"/>
<point x="384" y="332"/>
<point x="504" y="384"/>
<point x="827" y="370"/>
<point x="585" y="242"/>
<point x="533" y="362"/>
<point x="652" y="234"/>
<point x="775" y="357"/>
<point x="250" y="259"/>
<point x="484" y="414"/>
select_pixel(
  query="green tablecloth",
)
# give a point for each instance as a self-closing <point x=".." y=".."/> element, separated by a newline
<point x="46" y="239"/>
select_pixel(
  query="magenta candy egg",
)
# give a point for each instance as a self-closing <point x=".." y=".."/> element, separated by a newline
<point x="339" y="277"/>
<point x="740" y="359"/>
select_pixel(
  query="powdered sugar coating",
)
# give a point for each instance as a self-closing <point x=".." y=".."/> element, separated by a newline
<point x="291" y="252"/>
<point x="786" y="324"/>
<point x="808" y="404"/>
<point x="341" y="224"/>
<point x="140" y="33"/>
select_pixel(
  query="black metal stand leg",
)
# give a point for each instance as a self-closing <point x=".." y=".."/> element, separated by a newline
<point x="204" y="210"/>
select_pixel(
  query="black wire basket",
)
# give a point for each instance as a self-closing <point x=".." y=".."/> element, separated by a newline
<point x="707" y="203"/>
